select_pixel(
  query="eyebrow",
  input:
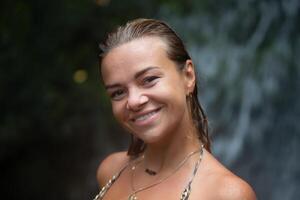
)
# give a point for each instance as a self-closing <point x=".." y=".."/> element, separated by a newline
<point x="137" y="75"/>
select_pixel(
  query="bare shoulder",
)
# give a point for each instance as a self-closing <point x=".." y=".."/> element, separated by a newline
<point x="111" y="165"/>
<point x="224" y="185"/>
<point x="232" y="187"/>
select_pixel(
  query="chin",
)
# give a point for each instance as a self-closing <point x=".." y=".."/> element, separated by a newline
<point x="152" y="136"/>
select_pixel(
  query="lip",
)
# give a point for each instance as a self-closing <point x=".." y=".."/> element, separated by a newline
<point x="146" y="117"/>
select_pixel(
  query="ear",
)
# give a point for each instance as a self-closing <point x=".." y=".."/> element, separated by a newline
<point x="189" y="76"/>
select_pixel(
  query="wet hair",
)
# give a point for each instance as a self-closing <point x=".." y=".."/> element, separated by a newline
<point x="176" y="52"/>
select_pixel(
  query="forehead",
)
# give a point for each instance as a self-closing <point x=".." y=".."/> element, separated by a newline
<point x="126" y="59"/>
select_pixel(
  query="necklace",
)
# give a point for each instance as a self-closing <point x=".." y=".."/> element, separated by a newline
<point x="133" y="196"/>
<point x="147" y="170"/>
<point x="150" y="171"/>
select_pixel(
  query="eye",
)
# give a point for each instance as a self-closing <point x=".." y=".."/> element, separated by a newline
<point x="117" y="94"/>
<point x="149" y="80"/>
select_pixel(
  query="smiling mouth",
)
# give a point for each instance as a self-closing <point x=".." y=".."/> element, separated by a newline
<point x="146" y="116"/>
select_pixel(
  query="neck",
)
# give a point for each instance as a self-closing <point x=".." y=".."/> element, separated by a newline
<point x="168" y="153"/>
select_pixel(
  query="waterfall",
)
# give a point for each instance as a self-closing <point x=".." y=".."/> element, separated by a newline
<point x="247" y="60"/>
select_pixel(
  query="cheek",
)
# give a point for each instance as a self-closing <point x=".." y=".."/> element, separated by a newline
<point x="172" y="91"/>
<point x="118" y="110"/>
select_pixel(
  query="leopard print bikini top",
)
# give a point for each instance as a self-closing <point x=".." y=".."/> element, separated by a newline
<point x="184" y="195"/>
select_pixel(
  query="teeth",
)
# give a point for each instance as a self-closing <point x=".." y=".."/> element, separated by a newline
<point x="144" y="117"/>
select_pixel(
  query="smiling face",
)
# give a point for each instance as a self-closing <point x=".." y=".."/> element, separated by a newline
<point x="147" y="91"/>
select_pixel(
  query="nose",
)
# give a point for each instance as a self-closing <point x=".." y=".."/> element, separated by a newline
<point x="136" y="100"/>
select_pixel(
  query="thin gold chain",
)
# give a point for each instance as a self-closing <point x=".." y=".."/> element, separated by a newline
<point x="132" y="195"/>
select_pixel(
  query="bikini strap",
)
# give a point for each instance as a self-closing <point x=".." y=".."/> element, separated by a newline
<point x="111" y="181"/>
<point x="187" y="190"/>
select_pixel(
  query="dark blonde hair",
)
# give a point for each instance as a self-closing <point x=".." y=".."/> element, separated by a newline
<point x="176" y="52"/>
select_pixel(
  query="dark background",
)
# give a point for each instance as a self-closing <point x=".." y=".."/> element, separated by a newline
<point x="56" y="124"/>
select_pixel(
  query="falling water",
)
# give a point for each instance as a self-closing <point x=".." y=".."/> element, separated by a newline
<point x="248" y="65"/>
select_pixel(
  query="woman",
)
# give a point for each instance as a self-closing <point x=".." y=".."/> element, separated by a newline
<point x="151" y="81"/>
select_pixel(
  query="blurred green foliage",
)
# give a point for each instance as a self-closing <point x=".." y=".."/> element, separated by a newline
<point x="50" y="124"/>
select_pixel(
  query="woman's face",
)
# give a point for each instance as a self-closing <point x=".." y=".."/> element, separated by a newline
<point x="147" y="91"/>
